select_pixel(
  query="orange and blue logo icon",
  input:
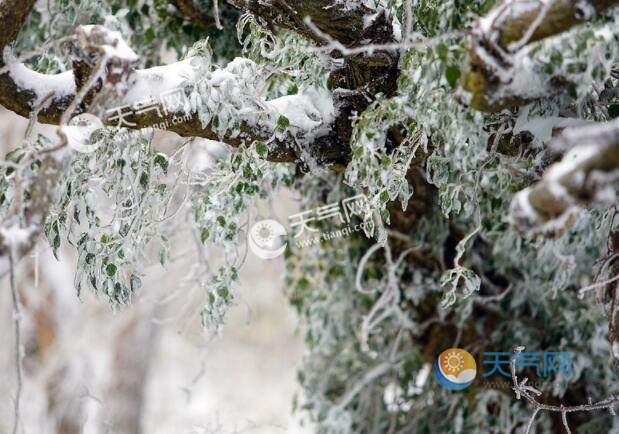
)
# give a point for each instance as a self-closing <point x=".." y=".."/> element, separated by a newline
<point x="455" y="369"/>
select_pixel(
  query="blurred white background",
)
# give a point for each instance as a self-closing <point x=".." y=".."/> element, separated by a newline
<point x="90" y="370"/>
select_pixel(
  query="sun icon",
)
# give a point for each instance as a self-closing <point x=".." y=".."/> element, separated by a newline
<point x="264" y="233"/>
<point x="266" y="238"/>
<point x="455" y="369"/>
<point x="454" y="361"/>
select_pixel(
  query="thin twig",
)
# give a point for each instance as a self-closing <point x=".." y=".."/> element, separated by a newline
<point x="216" y="15"/>
<point x="334" y="44"/>
<point x="527" y="392"/>
<point x="17" y="324"/>
<point x="36" y="52"/>
<point x="583" y="290"/>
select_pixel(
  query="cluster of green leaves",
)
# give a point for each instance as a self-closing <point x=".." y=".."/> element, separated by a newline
<point x="289" y="57"/>
<point x="221" y="204"/>
<point x="477" y="162"/>
<point x="375" y="169"/>
<point x="152" y="28"/>
<point x="110" y="207"/>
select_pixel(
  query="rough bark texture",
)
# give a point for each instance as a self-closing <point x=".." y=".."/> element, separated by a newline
<point x="342" y="23"/>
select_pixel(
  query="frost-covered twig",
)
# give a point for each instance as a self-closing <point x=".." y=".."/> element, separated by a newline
<point x="39" y="50"/>
<point x="18" y="350"/>
<point x="582" y="291"/>
<point x="388" y="304"/>
<point x="530" y="394"/>
<point x="331" y="44"/>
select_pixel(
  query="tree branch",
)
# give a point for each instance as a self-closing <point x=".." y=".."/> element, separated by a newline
<point x="21" y="89"/>
<point x="529" y="393"/>
<point x="340" y="20"/>
<point x="587" y="174"/>
<point x="510" y="26"/>
<point x="18" y="345"/>
<point x="104" y="65"/>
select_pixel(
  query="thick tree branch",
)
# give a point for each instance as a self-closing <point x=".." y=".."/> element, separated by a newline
<point x="337" y="19"/>
<point x="497" y="38"/>
<point x="587" y="174"/>
<point x="21" y="89"/>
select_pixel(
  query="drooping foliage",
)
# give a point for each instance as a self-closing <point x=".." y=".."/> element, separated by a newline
<point x="489" y="287"/>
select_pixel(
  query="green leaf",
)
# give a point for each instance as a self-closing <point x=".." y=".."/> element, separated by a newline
<point x="110" y="269"/>
<point x="452" y="74"/>
<point x="162" y="161"/>
<point x="261" y="149"/>
<point x="144" y="179"/>
<point x="204" y="235"/>
<point x="282" y="123"/>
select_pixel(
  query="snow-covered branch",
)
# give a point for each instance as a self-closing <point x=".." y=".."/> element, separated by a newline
<point x="200" y="89"/>
<point x="588" y="174"/>
<point x="497" y="38"/>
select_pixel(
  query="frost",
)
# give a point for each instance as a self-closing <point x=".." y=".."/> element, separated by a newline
<point x="305" y="111"/>
<point x="15" y="236"/>
<point x="115" y="44"/>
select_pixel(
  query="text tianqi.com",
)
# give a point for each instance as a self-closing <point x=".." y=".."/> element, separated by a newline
<point x="267" y="238"/>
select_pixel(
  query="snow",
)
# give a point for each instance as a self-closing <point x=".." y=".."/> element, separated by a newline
<point x="584" y="10"/>
<point x="115" y="44"/>
<point x="237" y="88"/>
<point x="522" y="209"/>
<point x="368" y="20"/>
<point x="570" y="162"/>
<point x="153" y="82"/>
<point x="542" y="127"/>
<point x="41" y="85"/>
<point x="16" y="236"/>
<point x="498" y="15"/>
<point x="305" y="111"/>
